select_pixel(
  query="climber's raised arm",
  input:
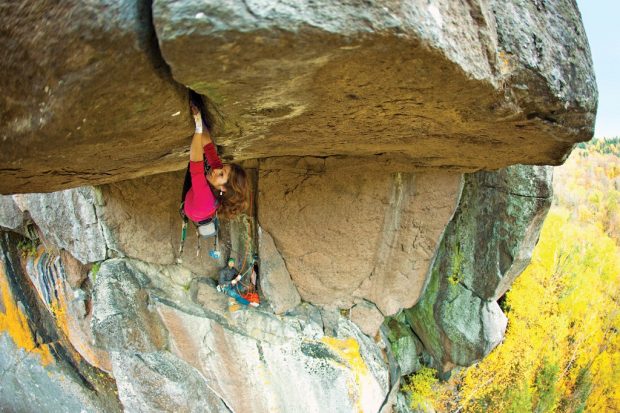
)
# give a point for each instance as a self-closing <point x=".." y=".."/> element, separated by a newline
<point x="201" y="136"/>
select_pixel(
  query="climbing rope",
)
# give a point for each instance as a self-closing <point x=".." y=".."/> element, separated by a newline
<point x="249" y="287"/>
<point x="247" y="246"/>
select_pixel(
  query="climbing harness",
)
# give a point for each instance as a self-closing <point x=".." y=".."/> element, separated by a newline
<point x="207" y="229"/>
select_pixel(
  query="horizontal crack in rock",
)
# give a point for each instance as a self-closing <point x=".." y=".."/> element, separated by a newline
<point x="507" y="192"/>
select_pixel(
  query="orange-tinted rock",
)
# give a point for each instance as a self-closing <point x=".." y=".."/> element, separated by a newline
<point x="348" y="230"/>
<point x="85" y="97"/>
<point x="75" y="271"/>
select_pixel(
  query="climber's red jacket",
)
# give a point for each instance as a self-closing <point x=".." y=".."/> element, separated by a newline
<point x="200" y="203"/>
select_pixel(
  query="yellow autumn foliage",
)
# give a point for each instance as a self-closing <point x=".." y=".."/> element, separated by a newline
<point x="561" y="352"/>
<point x="561" y="347"/>
<point x="419" y="386"/>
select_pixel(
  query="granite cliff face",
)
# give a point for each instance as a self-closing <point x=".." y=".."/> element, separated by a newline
<point x="390" y="212"/>
<point x="94" y="92"/>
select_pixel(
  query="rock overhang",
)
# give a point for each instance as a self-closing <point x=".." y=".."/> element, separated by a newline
<point x="465" y="87"/>
<point x="452" y="86"/>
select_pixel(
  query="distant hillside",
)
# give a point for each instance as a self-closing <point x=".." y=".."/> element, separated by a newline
<point x="588" y="184"/>
<point x="603" y="146"/>
<point x="561" y="352"/>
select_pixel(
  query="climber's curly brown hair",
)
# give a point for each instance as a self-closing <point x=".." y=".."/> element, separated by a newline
<point x="236" y="199"/>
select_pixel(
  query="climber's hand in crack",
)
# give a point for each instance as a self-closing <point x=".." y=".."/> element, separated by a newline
<point x="202" y="137"/>
<point x="194" y="109"/>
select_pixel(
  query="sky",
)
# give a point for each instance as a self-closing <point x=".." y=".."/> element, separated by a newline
<point x="600" y="18"/>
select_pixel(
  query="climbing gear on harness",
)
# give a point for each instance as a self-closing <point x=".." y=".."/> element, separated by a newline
<point x="209" y="228"/>
<point x="183" y="236"/>
<point x="215" y="254"/>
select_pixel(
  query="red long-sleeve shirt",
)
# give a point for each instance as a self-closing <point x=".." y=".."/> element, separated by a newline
<point x="200" y="202"/>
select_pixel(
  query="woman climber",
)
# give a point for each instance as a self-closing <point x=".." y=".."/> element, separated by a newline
<point x="219" y="188"/>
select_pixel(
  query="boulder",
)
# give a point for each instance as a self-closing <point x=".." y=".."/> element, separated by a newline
<point x="367" y="317"/>
<point x="68" y="220"/>
<point x="486" y="246"/>
<point x="89" y="99"/>
<point x="355" y="230"/>
<point x="86" y="97"/>
<point x="491" y="253"/>
<point x="275" y="281"/>
<point x="459" y="332"/>
<point x="442" y="84"/>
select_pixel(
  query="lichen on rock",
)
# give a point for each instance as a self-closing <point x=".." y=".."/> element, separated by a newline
<point x="486" y="246"/>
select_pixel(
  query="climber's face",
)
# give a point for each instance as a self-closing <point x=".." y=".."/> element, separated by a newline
<point x="219" y="177"/>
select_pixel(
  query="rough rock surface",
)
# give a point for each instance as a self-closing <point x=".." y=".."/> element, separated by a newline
<point x="68" y="303"/>
<point x="88" y="97"/>
<point x="275" y="363"/>
<point x="166" y="384"/>
<point x="74" y="226"/>
<point x="28" y="386"/>
<point x="445" y="83"/>
<point x="518" y="198"/>
<point x="143" y="216"/>
<point x="355" y="230"/>
<point x="275" y="281"/>
<point x="367" y="317"/>
<point x="40" y="366"/>
<point x="11" y="217"/>
<point x="122" y="319"/>
<point x="486" y="245"/>
<point x="405" y="346"/>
